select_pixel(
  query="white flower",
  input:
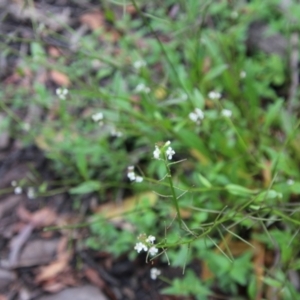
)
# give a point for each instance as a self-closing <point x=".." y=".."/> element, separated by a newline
<point x="226" y="113"/>
<point x="62" y="93"/>
<point x="13" y="183"/>
<point x="116" y="133"/>
<point x="168" y="143"/>
<point x="243" y="74"/>
<point x="18" y="190"/>
<point x="31" y="193"/>
<point x="156" y="152"/>
<point x="139" y="64"/>
<point x="26" y="126"/>
<point x="140" y="247"/>
<point x="153" y="250"/>
<point x="97" y="117"/>
<point x="234" y="14"/>
<point x="213" y="95"/>
<point x="131" y="175"/>
<point x="139" y="179"/>
<point x="170" y="152"/>
<point x="150" y="239"/>
<point x="290" y="182"/>
<point x="142" y="88"/>
<point x="154" y="273"/>
<point x="196" y="115"/>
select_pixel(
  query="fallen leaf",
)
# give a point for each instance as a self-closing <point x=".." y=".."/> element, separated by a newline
<point x="43" y="217"/>
<point x="54" y="51"/>
<point x="94" y="20"/>
<point x="9" y="203"/>
<point x="59" y="78"/>
<point x="24" y="214"/>
<point x="117" y="210"/>
<point x="53" y="269"/>
<point x="94" y="277"/>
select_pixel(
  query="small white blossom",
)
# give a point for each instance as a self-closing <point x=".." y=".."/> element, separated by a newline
<point x="131" y="175"/>
<point x="213" y="95"/>
<point x="243" y="74"/>
<point x="116" y="133"/>
<point x="234" y="14"/>
<point x="154" y="273"/>
<point x="139" y="64"/>
<point x="140" y="247"/>
<point x="26" y="126"/>
<point x="168" y="143"/>
<point x="142" y="88"/>
<point x="31" y="193"/>
<point x="170" y="152"/>
<point x="156" y="152"/>
<point x="150" y="239"/>
<point x="13" y="183"/>
<point x="183" y="97"/>
<point x="62" y="93"/>
<point x="197" y="115"/>
<point x="139" y="179"/>
<point x="153" y="250"/>
<point x="226" y="113"/>
<point x="97" y="117"/>
<point x="290" y="182"/>
<point x="18" y="190"/>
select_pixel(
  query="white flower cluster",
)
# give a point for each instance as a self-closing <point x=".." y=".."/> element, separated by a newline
<point x="169" y="152"/>
<point x="146" y="244"/>
<point x="62" y="93"/>
<point x="115" y="133"/>
<point x="154" y="273"/>
<point x="132" y="176"/>
<point x="213" y="95"/>
<point x="98" y="118"/>
<point x="226" y="113"/>
<point x="197" y="115"/>
<point x="17" y="189"/>
<point x="142" y="88"/>
<point x="139" y="64"/>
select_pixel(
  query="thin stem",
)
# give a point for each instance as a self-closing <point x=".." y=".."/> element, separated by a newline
<point x="174" y="197"/>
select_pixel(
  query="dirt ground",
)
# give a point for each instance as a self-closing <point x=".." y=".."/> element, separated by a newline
<point x="55" y="265"/>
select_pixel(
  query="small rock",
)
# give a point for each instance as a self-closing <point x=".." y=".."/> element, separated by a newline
<point x="86" y="292"/>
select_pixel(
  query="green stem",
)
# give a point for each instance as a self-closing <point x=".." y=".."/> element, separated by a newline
<point x="174" y="197"/>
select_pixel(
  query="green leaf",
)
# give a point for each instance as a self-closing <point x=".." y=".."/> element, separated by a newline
<point x="204" y="181"/>
<point x="86" y="187"/>
<point x="215" y="72"/>
<point x="238" y="190"/>
<point x="266" y="195"/>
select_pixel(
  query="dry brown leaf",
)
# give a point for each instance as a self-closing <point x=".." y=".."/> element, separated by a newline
<point x="117" y="210"/>
<point x="54" y="51"/>
<point x="24" y="214"/>
<point x="267" y="174"/>
<point x="94" y="277"/>
<point x="62" y="246"/>
<point x="54" y="269"/>
<point x="53" y="286"/>
<point x="236" y="248"/>
<point x="59" y="78"/>
<point x="94" y="20"/>
<point x="9" y="203"/>
<point x="43" y="217"/>
<point x="258" y="261"/>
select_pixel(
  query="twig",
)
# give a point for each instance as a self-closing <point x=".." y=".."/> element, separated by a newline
<point x="294" y="69"/>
